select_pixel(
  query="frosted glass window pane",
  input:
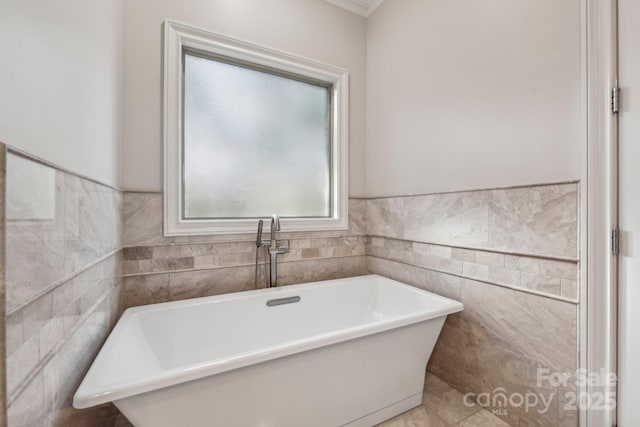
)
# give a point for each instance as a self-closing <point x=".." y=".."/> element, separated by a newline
<point x="255" y="143"/>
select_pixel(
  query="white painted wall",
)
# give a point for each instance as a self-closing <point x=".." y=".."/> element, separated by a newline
<point x="457" y="95"/>
<point x="60" y="87"/>
<point x="310" y="28"/>
<point x="472" y="94"/>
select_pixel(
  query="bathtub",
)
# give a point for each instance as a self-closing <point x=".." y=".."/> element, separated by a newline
<point x="347" y="352"/>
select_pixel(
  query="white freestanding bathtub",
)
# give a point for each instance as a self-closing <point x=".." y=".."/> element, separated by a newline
<point x="341" y="352"/>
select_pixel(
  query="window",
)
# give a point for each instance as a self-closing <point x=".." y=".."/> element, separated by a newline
<point x="248" y="132"/>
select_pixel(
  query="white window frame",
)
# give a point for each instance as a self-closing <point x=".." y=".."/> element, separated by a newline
<point x="178" y="36"/>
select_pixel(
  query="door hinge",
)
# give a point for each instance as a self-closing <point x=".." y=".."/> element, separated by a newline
<point x="615" y="241"/>
<point x="615" y="100"/>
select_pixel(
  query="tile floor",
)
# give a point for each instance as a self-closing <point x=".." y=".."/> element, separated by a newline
<point x="442" y="406"/>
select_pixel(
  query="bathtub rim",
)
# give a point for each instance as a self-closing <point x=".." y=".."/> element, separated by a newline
<point x="84" y="398"/>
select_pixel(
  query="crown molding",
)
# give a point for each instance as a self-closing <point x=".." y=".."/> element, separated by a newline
<point x="360" y="7"/>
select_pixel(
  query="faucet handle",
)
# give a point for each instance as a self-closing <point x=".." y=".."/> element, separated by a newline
<point x="279" y="249"/>
<point x="286" y="248"/>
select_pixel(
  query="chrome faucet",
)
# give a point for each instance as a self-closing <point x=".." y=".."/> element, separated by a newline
<point x="273" y="248"/>
<point x="274" y="251"/>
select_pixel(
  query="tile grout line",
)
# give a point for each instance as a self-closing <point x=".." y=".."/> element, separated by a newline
<point x="50" y="288"/>
<point x="154" y="273"/>
<point x="251" y="240"/>
<point x="474" y="190"/>
<point x="502" y="285"/>
<point x="51" y="354"/>
<point x="481" y="249"/>
<point x="480" y="408"/>
<point x="20" y="153"/>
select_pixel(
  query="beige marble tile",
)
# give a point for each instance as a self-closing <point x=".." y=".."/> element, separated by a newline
<point x="310" y="253"/>
<point x="541" y="328"/>
<point x="443" y="264"/>
<point x="450" y="219"/>
<point x="541" y="283"/>
<point x="36" y="315"/>
<point x="35" y="256"/>
<point x="569" y="288"/>
<point x="100" y="416"/>
<point x="445" y="284"/>
<point x="442" y="407"/>
<point x="475" y="361"/>
<point x="122" y="421"/>
<point x="411" y="275"/>
<point x="166" y="258"/>
<point x="71" y="316"/>
<point x="142" y="223"/>
<point x="407" y="252"/>
<point x="182" y="250"/>
<point x="535" y="220"/>
<point x="29" y="408"/>
<point x="497" y="340"/>
<point x="321" y="269"/>
<point x="417" y="417"/>
<point x="131" y="267"/>
<point x="466" y="255"/>
<point x="491" y="259"/>
<point x="357" y="217"/>
<point x="63" y="373"/>
<point x="243" y="258"/>
<point x="296" y="254"/>
<point x="51" y="335"/>
<point x="300" y="243"/>
<point x="94" y="295"/>
<point x="441" y="251"/>
<point x="92" y="222"/>
<point x="482" y="419"/>
<point x="210" y="282"/>
<point x="137" y="253"/>
<point x="171" y="264"/>
<point x="500" y="340"/>
<point x="21" y="363"/>
<point x="475" y="271"/>
<point x="421" y="248"/>
<point x="397" y="249"/>
<point x="141" y="219"/>
<point x="149" y="289"/>
<point x="432" y="281"/>
<point x="385" y="217"/>
<point x="505" y="277"/>
<point x="41" y="252"/>
<point x="13" y="331"/>
<point x="206" y="261"/>
<point x="72" y="290"/>
<point x="446" y="402"/>
<point x="561" y="269"/>
<point x="521" y="263"/>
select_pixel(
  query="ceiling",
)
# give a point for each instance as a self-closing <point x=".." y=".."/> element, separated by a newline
<point x="361" y="7"/>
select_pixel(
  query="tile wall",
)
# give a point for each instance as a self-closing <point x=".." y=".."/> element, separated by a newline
<point x="159" y="269"/>
<point x="85" y="252"/>
<point x="63" y="277"/>
<point x="511" y="256"/>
